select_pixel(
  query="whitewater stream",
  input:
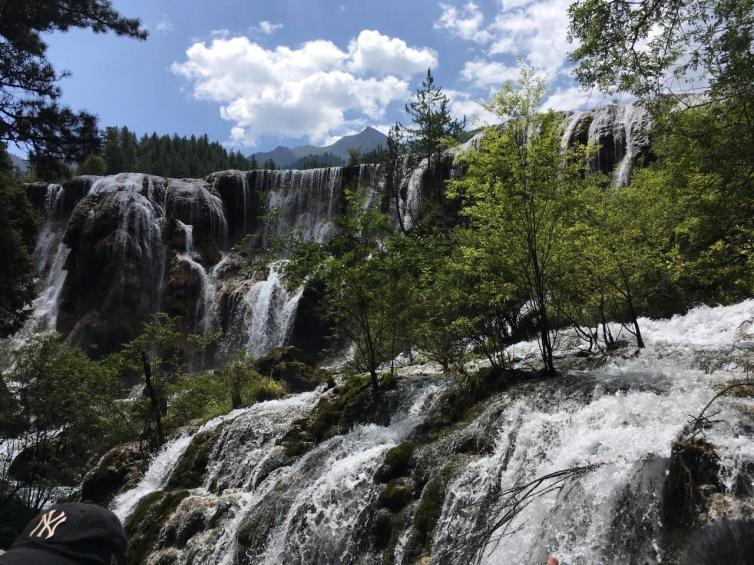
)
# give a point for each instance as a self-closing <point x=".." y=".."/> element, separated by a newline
<point x="623" y="416"/>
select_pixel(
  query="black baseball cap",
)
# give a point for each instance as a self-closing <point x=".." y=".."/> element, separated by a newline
<point x="71" y="533"/>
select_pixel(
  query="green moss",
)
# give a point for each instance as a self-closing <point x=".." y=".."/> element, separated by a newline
<point x="144" y="525"/>
<point x="189" y="471"/>
<point x="397" y="463"/>
<point x="428" y="512"/>
<point x="332" y="415"/>
<point x="397" y="493"/>
<point x="262" y="389"/>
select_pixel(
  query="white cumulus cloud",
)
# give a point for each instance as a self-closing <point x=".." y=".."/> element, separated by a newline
<point x="373" y="52"/>
<point x="466" y="22"/>
<point x="535" y="31"/>
<point x="315" y="90"/>
<point x="464" y="105"/>
<point x="485" y="74"/>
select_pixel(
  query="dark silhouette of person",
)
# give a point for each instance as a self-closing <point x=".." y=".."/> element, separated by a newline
<point x="70" y="533"/>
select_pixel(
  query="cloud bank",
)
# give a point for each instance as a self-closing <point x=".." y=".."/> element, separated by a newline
<point x="316" y="90"/>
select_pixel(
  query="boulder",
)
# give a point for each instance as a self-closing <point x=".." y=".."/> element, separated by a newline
<point x="693" y="475"/>
<point x="190" y="468"/>
<point x="398" y="493"/>
<point x="117" y="471"/>
<point x="292" y="367"/>
<point x="115" y="270"/>
<point x="311" y="332"/>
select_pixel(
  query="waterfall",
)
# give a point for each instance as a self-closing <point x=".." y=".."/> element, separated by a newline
<point x="633" y="119"/>
<point x="624" y="417"/>
<point x="155" y="477"/>
<point x="50" y="254"/>
<point x="325" y="492"/>
<point x="270" y="309"/>
<point x="205" y="313"/>
<point x="573" y="121"/>
<point x="620" y="131"/>
<point x="306" y="201"/>
<point x="410" y="206"/>
<point x="259" y="505"/>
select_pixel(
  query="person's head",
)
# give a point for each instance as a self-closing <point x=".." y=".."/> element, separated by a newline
<point x="552" y="560"/>
<point x="723" y="543"/>
<point x="71" y="533"/>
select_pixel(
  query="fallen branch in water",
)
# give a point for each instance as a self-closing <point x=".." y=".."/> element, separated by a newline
<point x="701" y="422"/>
<point x="511" y="502"/>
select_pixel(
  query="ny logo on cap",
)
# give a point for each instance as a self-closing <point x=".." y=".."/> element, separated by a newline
<point x="48" y="523"/>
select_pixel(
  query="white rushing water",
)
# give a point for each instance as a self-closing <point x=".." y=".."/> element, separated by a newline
<point x="163" y="463"/>
<point x="326" y="491"/>
<point x="155" y="477"/>
<point x="625" y="417"/>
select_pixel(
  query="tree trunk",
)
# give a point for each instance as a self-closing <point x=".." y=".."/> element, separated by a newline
<point x="153" y="401"/>
<point x="544" y="329"/>
<point x="375" y="380"/>
<point x="635" y="321"/>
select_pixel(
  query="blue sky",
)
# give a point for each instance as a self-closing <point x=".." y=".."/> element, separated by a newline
<point x="255" y="74"/>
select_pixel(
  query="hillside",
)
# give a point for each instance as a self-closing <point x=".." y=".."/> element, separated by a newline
<point x="368" y="140"/>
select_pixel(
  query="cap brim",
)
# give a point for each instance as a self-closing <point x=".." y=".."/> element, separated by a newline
<point x="29" y="555"/>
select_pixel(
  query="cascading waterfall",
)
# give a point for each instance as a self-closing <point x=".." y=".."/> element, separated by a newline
<point x="410" y="206"/>
<point x="138" y="208"/>
<point x="302" y="201"/>
<point x="621" y="131"/>
<point x="270" y="309"/>
<point x="50" y="255"/>
<point x="624" y="416"/>
<point x="205" y="314"/>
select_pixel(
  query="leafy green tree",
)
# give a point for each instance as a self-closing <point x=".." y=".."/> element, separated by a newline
<point x="433" y="123"/>
<point x="93" y="165"/>
<point x="159" y="358"/>
<point x="202" y="396"/>
<point x="647" y="47"/>
<point x="63" y="417"/>
<point x="29" y="110"/>
<point x="703" y="144"/>
<point x="354" y="157"/>
<point x="519" y="194"/>
<point x="368" y="279"/>
<point x="389" y="162"/>
<point x="18" y="225"/>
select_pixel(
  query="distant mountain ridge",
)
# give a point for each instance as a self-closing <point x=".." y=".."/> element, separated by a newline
<point x="366" y="141"/>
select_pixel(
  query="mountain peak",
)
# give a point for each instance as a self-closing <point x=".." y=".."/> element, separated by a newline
<point x="365" y="141"/>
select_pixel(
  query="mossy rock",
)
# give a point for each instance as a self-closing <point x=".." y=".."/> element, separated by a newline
<point x="398" y="493"/>
<point x="293" y="367"/>
<point x="190" y="468"/>
<point x="119" y="469"/>
<point x="429" y="510"/>
<point x="345" y="405"/>
<point x="693" y="474"/>
<point x="426" y="516"/>
<point x="146" y="521"/>
<point x="278" y="355"/>
<point x="397" y="463"/>
<point x="382" y="528"/>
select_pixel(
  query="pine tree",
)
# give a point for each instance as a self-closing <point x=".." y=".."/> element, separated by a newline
<point x="29" y="110"/>
<point x="431" y="115"/>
